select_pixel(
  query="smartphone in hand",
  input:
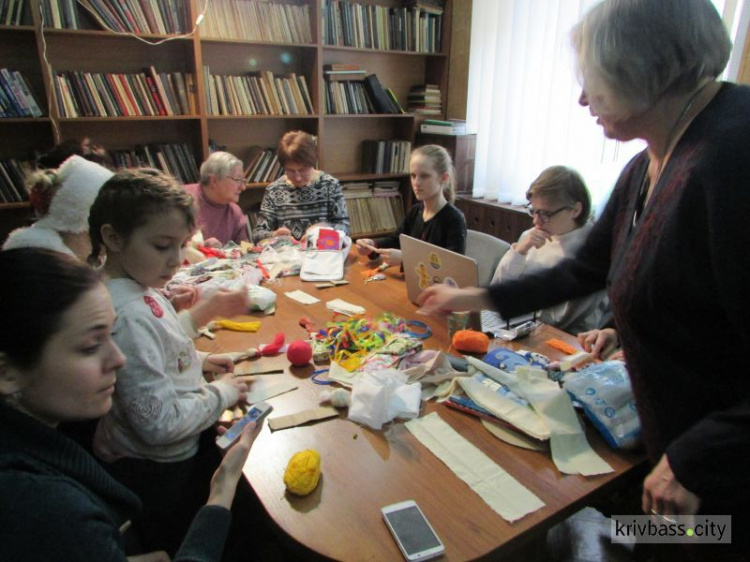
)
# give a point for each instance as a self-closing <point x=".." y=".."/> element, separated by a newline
<point x="256" y="413"/>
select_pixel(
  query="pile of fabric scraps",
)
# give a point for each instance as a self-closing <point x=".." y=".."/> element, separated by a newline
<point x="527" y="401"/>
<point x="348" y="342"/>
<point x="280" y="255"/>
<point x="215" y="273"/>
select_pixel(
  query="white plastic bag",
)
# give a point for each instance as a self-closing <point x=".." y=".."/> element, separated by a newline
<point x="379" y="397"/>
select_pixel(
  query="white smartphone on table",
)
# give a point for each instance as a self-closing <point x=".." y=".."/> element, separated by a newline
<point x="256" y="413"/>
<point x="413" y="533"/>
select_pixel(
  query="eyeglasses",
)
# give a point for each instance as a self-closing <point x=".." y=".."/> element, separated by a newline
<point x="238" y="180"/>
<point x="544" y="216"/>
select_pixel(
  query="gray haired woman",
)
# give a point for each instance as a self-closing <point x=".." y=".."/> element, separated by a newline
<point x="670" y="247"/>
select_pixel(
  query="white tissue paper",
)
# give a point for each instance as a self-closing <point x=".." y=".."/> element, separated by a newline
<point x="380" y="397"/>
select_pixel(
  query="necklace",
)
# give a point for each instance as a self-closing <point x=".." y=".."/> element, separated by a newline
<point x="648" y="183"/>
<point x="675" y="127"/>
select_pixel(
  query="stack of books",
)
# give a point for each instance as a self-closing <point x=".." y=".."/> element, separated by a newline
<point x="430" y="6"/>
<point x="257" y="93"/>
<point x="174" y="159"/>
<point x="13" y="181"/>
<point x="385" y="156"/>
<point x="450" y="127"/>
<point x="263" y="166"/>
<point x="337" y="72"/>
<point x="425" y="100"/>
<point x="16" y="99"/>
<point x="258" y="21"/>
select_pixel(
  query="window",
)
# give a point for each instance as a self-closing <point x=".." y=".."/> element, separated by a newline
<point x="523" y="97"/>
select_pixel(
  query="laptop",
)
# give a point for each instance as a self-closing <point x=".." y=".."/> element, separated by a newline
<point x="426" y="264"/>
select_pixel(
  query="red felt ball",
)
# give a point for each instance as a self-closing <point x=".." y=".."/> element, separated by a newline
<point x="299" y="353"/>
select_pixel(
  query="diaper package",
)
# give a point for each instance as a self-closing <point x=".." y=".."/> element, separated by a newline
<point x="606" y="395"/>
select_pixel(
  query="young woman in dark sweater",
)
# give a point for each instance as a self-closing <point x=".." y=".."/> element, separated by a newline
<point x="58" y="364"/>
<point x="433" y="219"/>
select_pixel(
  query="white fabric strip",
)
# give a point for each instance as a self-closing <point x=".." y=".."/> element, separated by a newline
<point x="302" y="297"/>
<point x="571" y="453"/>
<point x="339" y="305"/>
<point x="521" y="417"/>
<point x="503" y="493"/>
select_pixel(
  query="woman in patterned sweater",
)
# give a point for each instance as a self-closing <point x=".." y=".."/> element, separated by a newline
<point x="303" y="196"/>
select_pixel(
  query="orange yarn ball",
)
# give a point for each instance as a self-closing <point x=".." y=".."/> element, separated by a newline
<point x="471" y="341"/>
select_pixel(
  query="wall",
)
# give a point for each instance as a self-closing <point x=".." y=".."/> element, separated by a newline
<point x="458" y="74"/>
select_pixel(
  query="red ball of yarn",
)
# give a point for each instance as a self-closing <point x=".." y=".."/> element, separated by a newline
<point x="299" y="353"/>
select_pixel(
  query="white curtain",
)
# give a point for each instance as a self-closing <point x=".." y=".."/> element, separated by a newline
<point x="523" y="99"/>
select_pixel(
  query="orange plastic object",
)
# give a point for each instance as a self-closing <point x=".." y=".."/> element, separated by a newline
<point x="562" y="346"/>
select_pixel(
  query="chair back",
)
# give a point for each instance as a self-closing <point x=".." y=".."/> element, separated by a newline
<point x="487" y="251"/>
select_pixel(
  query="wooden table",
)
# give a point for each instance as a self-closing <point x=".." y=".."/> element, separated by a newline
<point x="364" y="469"/>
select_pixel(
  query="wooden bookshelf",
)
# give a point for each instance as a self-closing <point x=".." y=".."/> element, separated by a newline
<point x="95" y="50"/>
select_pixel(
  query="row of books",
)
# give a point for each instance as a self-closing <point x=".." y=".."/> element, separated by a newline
<point x="385" y="156"/>
<point x="13" y="181"/>
<point x="425" y="100"/>
<point x="175" y="159"/>
<point x="60" y="14"/>
<point x="373" y="207"/>
<point x="12" y="12"/>
<point x="258" y="21"/>
<point x="140" y="16"/>
<point x="16" y="98"/>
<point x="263" y="166"/>
<point x="257" y="93"/>
<point x="366" y="26"/>
<point x="347" y="98"/>
<point x="85" y="94"/>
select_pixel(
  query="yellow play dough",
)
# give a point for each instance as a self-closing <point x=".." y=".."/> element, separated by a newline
<point x="303" y="472"/>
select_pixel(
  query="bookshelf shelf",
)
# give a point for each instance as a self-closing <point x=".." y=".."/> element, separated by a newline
<point x="97" y="33"/>
<point x="223" y="41"/>
<point x="22" y="205"/>
<point x="258" y="117"/>
<point x="382" y="51"/>
<point x="369" y="116"/>
<point x="17" y="28"/>
<point x="375" y="234"/>
<point x="24" y="120"/>
<point x="364" y="176"/>
<point x="129" y="118"/>
<point x="94" y="50"/>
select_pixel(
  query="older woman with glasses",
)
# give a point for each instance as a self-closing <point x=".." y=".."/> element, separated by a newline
<point x="219" y="217"/>
<point x="560" y="205"/>
<point x="303" y="196"/>
<point x="670" y="247"/>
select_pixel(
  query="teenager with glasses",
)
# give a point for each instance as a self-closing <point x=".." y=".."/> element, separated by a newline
<point x="220" y="218"/>
<point x="560" y="205"/>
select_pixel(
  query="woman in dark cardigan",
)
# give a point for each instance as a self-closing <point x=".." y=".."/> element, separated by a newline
<point x="670" y="247"/>
<point x="58" y="364"/>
